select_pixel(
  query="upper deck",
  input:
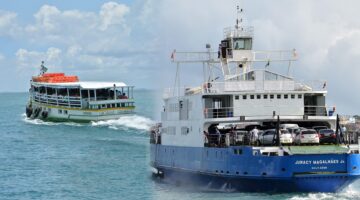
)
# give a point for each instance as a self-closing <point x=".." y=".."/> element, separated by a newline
<point x="83" y="94"/>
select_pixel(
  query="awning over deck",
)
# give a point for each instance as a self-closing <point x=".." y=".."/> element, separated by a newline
<point x="83" y="85"/>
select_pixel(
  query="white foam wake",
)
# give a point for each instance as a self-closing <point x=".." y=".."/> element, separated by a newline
<point x="47" y="123"/>
<point x="132" y="121"/>
<point x="349" y="193"/>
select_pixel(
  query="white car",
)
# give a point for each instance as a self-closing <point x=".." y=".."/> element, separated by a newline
<point x="269" y="137"/>
<point x="309" y="136"/>
<point x="286" y="137"/>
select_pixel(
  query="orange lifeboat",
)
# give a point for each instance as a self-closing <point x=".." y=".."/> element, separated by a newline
<point x="55" y="78"/>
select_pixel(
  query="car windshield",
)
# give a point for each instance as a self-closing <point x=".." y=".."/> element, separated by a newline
<point x="284" y="131"/>
<point x="308" y="132"/>
<point x="317" y="128"/>
<point x="326" y="131"/>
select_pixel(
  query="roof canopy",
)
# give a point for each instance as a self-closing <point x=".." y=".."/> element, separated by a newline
<point x="82" y="85"/>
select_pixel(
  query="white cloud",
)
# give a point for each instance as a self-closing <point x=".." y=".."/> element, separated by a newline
<point x="7" y="23"/>
<point x="112" y="13"/>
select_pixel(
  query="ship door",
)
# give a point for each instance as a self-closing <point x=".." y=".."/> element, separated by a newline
<point x="184" y="109"/>
<point x="314" y="105"/>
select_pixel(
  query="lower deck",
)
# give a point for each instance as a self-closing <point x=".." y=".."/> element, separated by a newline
<point x="59" y="113"/>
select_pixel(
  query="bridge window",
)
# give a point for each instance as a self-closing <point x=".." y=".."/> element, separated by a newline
<point x="265" y="96"/>
<point x="258" y="96"/>
<point x="299" y="96"/>
<point x="237" y="97"/>
<point x="293" y="96"/>
<point x="244" y="97"/>
<point x="285" y="96"/>
<point x="279" y="96"/>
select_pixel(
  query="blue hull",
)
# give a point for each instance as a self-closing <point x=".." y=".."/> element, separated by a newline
<point x="333" y="183"/>
<point x="219" y="168"/>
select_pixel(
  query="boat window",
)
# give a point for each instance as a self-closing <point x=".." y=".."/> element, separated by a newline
<point x="113" y="105"/>
<point x="299" y="96"/>
<point x="65" y="112"/>
<point x="241" y="43"/>
<point x="258" y="96"/>
<point x="118" y="105"/>
<point x="285" y="96"/>
<point x="252" y="96"/>
<point x="279" y="96"/>
<point x="237" y="151"/>
<point x="103" y="106"/>
<point x="271" y="96"/>
<point x="237" y="97"/>
<point x="265" y="96"/>
<point x="293" y="96"/>
<point x="60" y="111"/>
<point x="108" y="105"/>
<point x="244" y="97"/>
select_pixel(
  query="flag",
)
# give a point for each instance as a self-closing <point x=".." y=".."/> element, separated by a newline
<point x="173" y="55"/>
<point x="294" y="53"/>
<point x="324" y="85"/>
<point x="268" y="63"/>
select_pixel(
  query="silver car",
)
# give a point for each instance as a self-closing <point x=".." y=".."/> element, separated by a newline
<point x="309" y="136"/>
<point x="269" y="137"/>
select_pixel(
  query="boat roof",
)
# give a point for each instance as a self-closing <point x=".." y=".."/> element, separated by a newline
<point x="82" y="84"/>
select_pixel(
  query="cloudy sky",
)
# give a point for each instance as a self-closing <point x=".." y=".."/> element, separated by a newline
<point x="132" y="40"/>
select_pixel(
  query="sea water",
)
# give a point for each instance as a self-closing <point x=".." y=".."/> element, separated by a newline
<point x="98" y="160"/>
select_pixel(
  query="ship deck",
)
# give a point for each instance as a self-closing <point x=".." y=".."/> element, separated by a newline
<point x="319" y="149"/>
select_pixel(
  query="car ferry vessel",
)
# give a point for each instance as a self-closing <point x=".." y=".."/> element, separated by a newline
<point x="189" y="148"/>
<point x="58" y="97"/>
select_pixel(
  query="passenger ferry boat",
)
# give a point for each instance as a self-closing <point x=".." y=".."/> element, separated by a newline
<point x="58" y="97"/>
<point x="184" y="151"/>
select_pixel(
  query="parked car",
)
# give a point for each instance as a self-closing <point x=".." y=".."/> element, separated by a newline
<point x="293" y="132"/>
<point x="268" y="137"/>
<point x="286" y="137"/>
<point x="327" y="136"/>
<point x="286" y="126"/>
<point x="309" y="136"/>
<point x="317" y="128"/>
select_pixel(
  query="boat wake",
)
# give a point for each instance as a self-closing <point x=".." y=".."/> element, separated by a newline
<point x="123" y="123"/>
<point x="47" y="123"/>
<point x="350" y="192"/>
<point x="126" y="122"/>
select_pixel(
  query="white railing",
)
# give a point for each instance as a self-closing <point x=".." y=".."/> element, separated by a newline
<point x="242" y="31"/>
<point x="57" y="100"/>
<point x="269" y="56"/>
<point x="191" y="57"/>
<point x="226" y="112"/>
<point x="314" y="85"/>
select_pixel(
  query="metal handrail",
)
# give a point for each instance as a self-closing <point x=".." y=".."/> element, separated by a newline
<point x="226" y="112"/>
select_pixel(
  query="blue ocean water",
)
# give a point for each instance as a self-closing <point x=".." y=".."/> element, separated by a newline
<point x="103" y="160"/>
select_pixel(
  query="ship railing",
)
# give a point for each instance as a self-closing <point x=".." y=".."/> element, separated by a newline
<point x="229" y="86"/>
<point x="242" y="31"/>
<point x="228" y="112"/>
<point x="313" y="85"/>
<point x="195" y="57"/>
<point x="69" y="101"/>
<point x="269" y="56"/>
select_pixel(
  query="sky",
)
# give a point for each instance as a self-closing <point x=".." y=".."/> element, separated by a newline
<point x="131" y="40"/>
